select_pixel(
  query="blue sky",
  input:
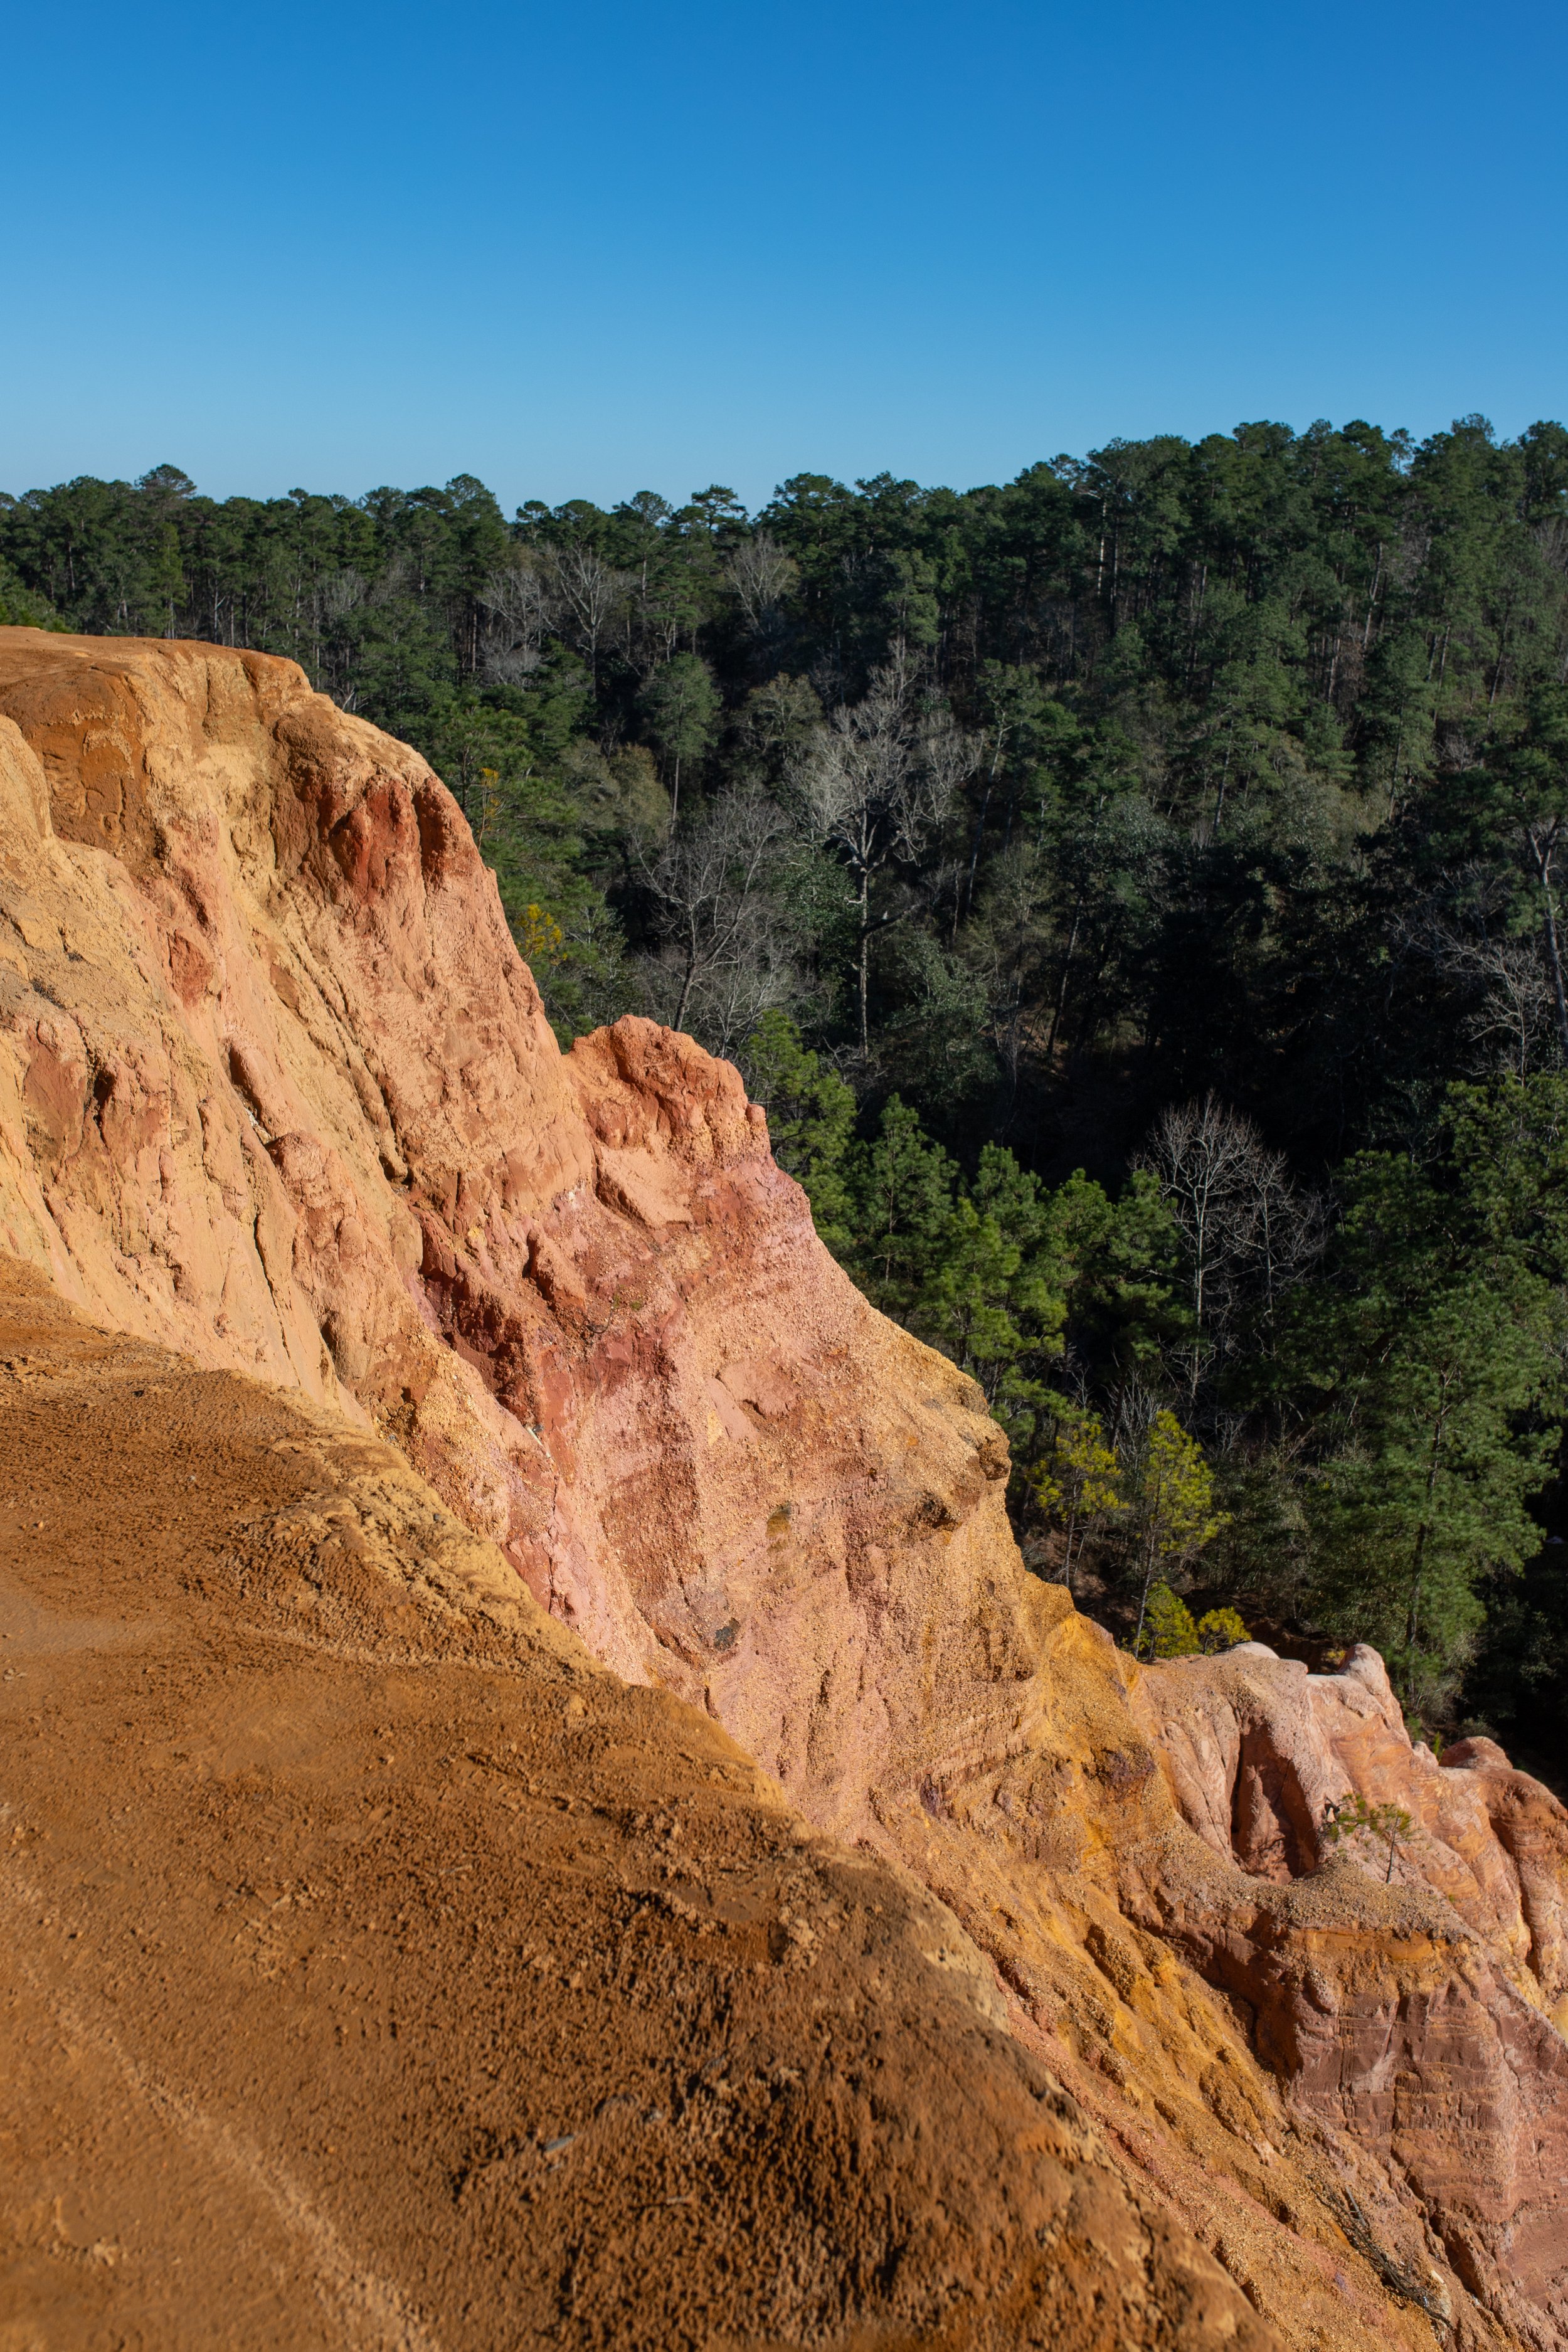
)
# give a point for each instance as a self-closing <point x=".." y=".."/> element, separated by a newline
<point x="619" y="247"/>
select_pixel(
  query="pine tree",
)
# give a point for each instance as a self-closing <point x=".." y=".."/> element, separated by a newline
<point x="1173" y="1501"/>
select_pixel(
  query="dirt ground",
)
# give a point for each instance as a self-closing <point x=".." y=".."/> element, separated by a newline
<point x="377" y="1971"/>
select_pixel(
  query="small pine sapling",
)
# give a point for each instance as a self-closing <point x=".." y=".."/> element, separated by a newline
<point x="1220" y="1629"/>
<point x="1167" y="1630"/>
<point x="1351" y="1816"/>
<point x="1174" y="1500"/>
<point x="1079" y="1483"/>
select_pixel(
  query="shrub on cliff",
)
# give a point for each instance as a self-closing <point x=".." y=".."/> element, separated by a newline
<point x="1171" y="1630"/>
<point x="1168" y="1630"/>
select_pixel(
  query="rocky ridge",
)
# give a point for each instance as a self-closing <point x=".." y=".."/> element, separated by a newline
<point x="276" y="1092"/>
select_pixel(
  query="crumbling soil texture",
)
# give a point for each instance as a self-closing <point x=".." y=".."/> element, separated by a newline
<point x="378" y="1971"/>
<point x="276" y="1092"/>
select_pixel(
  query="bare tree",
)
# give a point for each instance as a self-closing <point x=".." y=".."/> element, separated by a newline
<point x="761" y="576"/>
<point x="1512" y="1014"/>
<point x="708" y="885"/>
<point x="1542" y="839"/>
<point x="874" y="783"/>
<point x="521" y="612"/>
<point x="587" y="594"/>
<point x="731" y="994"/>
<point x="1247" y="1231"/>
<point x="946" y="757"/>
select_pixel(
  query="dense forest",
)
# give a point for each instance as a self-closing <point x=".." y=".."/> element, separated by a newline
<point x="1134" y="892"/>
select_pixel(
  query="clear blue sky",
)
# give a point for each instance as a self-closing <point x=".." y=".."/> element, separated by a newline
<point x="592" y="250"/>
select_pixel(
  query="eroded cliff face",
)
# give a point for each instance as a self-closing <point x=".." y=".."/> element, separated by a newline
<point x="277" y="1091"/>
<point x="1256" y="1751"/>
<point x="379" y="1972"/>
<point x="1414" y="1997"/>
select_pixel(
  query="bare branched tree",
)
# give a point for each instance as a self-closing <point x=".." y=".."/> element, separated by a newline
<point x="563" y="591"/>
<point x="1511" y="1018"/>
<point x="731" y="994"/>
<point x="761" y="576"/>
<point x="587" y="594"/>
<point x="874" y="784"/>
<point x="341" y="592"/>
<point x="946" y="757"/>
<point x="1542" y="839"/>
<point x="1248" y="1232"/>
<point x="519" y="612"/>
<point x="718" y="941"/>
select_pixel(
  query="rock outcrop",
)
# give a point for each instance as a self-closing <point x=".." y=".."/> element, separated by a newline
<point x="1421" y="2016"/>
<point x="276" y="1091"/>
<point x="1258" y="1751"/>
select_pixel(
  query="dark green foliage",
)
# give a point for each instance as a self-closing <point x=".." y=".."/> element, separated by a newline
<point x="1000" y="1271"/>
<point x="20" y="608"/>
<point x="902" y="1192"/>
<point x="811" y="1119"/>
<point x="1517" y="1688"/>
<point x="1432" y="1376"/>
<point x="679" y="707"/>
<point x="1004" y="824"/>
<point x="1419" y="1379"/>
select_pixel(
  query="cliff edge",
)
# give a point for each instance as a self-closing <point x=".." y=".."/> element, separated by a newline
<point x="276" y="1092"/>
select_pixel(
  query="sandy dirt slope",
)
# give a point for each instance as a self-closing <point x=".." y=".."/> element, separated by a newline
<point x="378" y="1970"/>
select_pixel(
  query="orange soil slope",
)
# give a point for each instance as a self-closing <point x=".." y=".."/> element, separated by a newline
<point x="275" y="1089"/>
<point x="378" y="1971"/>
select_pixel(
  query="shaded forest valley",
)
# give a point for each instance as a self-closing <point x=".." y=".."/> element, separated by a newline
<point x="1133" y="891"/>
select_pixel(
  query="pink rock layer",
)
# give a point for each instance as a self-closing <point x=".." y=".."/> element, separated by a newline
<point x="277" y="1090"/>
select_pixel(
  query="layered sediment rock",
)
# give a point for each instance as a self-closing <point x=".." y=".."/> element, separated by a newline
<point x="275" y="1091"/>
<point x="1420" y="2016"/>
<point x="1258" y="1751"/>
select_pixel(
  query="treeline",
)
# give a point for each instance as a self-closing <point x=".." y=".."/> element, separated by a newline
<point x="1188" y="815"/>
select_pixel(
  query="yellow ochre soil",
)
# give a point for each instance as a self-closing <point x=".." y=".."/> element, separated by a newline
<point x="378" y="1971"/>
